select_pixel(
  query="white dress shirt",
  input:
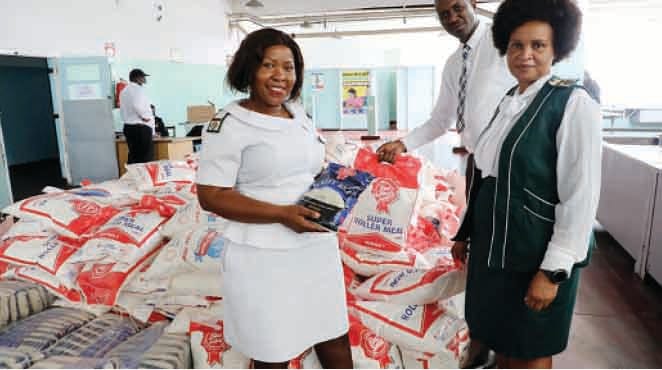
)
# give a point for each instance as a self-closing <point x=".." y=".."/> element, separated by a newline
<point x="271" y="159"/>
<point x="579" y="146"/>
<point x="488" y="80"/>
<point x="135" y="105"/>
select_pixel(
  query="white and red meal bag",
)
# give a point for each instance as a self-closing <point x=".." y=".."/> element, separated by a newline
<point x="307" y="360"/>
<point x="338" y="150"/>
<point x="435" y="184"/>
<point x="66" y="213"/>
<point x="118" y="193"/>
<point x="102" y="281"/>
<point x="455" y="304"/>
<point x="413" y="286"/>
<point x="369" y="350"/>
<point x="7" y="270"/>
<point x="147" y="176"/>
<point x="192" y="159"/>
<point x="129" y="235"/>
<point x="182" y="321"/>
<point x="370" y="264"/>
<point x="55" y="258"/>
<point x="197" y="250"/>
<point x="209" y="348"/>
<point x="451" y="358"/>
<point x="382" y="214"/>
<point x="458" y="184"/>
<point x="49" y="281"/>
<point x="189" y="217"/>
<point x="424" y="328"/>
<point x="22" y="250"/>
<point x="351" y="282"/>
<point x="197" y="283"/>
<point x="435" y="225"/>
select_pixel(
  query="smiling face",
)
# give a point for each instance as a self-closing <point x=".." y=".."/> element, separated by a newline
<point x="274" y="78"/>
<point x="530" y="52"/>
<point x="457" y="17"/>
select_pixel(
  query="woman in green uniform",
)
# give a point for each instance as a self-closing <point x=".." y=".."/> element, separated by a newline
<point x="534" y="192"/>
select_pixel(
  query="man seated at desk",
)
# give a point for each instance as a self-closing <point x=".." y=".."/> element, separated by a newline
<point x="159" y="126"/>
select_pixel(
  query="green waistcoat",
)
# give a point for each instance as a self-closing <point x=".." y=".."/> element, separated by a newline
<point x="526" y="188"/>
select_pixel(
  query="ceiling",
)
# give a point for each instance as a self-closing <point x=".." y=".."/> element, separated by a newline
<point x="324" y="18"/>
<point x="281" y="7"/>
<point x="339" y="18"/>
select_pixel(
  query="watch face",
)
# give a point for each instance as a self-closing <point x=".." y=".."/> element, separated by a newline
<point x="559" y="276"/>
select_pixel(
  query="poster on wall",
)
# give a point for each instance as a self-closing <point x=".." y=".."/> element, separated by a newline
<point x="355" y="86"/>
<point x="354" y="90"/>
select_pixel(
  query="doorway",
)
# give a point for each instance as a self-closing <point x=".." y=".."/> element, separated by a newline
<point x="28" y="126"/>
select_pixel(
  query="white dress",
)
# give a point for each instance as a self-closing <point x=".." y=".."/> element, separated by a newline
<point x="284" y="291"/>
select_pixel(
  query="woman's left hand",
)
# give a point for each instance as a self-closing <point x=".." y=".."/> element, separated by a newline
<point x="541" y="292"/>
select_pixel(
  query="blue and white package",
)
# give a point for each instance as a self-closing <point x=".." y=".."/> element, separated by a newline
<point x="130" y="352"/>
<point x="334" y="193"/>
<point x="96" y="338"/>
<point x="11" y="358"/>
<point x="40" y="331"/>
<point x="19" y="300"/>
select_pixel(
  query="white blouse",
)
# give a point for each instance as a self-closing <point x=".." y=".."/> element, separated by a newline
<point x="267" y="158"/>
<point x="579" y="146"/>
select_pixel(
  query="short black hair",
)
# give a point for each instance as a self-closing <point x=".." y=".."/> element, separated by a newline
<point x="248" y="59"/>
<point x="563" y="16"/>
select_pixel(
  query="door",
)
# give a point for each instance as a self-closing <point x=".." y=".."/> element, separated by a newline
<point x="5" y="183"/>
<point x="87" y="119"/>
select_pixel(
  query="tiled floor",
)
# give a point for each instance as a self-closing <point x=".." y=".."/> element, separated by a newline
<point x="618" y="317"/>
<point x="28" y="179"/>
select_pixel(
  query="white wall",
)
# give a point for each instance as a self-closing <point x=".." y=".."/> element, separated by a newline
<point x="420" y="49"/>
<point x="377" y="51"/>
<point x="195" y="30"/>
<point x="623" y="54"/>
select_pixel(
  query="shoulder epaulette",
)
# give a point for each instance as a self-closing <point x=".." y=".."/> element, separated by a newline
<point x="216" y="123"/>
<point x="558" y="82"/>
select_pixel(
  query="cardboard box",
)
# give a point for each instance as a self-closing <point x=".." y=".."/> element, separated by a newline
<point x="200" y="113"/>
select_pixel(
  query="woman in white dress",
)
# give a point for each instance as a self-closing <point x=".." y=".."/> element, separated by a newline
<point x="282" y="276"/>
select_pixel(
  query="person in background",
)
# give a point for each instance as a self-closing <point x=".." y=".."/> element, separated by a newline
<point x="159" y="125"/>
<point x="138" y="118"/>
<point x="474" y="79"/>
<point x="535" y="192"/>
<point x="283" y="283"/>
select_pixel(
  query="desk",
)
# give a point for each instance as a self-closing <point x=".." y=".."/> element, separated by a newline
<point x="630" y="179"/>
<point x="164" y="148"/>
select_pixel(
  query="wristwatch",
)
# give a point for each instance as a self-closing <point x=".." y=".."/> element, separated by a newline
<point x="556" y="276"/>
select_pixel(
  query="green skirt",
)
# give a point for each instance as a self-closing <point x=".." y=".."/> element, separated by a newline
<point x="495" y="309"/>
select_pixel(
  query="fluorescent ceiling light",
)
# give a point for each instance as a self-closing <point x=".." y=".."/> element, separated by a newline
<point x="254" y="4"/>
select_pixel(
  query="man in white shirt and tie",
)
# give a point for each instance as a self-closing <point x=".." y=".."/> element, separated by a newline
<point x="474" y="80"/>
<point x="138" y="118"/>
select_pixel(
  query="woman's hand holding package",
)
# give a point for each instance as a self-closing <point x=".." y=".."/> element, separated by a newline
<point x="298" y="219"/>
<point x="541" y="293"/>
